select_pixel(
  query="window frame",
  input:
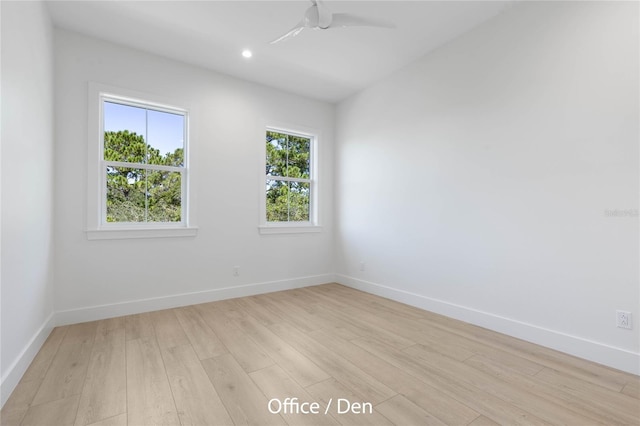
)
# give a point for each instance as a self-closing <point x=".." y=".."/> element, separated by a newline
<point x="291" y="227"/>
<point x="97" y="226"/>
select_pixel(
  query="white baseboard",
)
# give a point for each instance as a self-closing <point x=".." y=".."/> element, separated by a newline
<point x="601" y="353"/>
<point x="19" y="366"/>
<point x="93" y="313"/>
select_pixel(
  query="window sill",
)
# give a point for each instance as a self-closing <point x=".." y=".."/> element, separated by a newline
<point x="122" y="233"/>
<point x="288" y="229"/>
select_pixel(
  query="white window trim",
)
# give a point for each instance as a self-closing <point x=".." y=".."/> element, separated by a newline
<point x="96" y="228"/>
<point x="313" y="225"/>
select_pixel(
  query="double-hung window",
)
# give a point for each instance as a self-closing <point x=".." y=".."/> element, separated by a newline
<point x="142" y="168"/>
<point x="290" y="182"/>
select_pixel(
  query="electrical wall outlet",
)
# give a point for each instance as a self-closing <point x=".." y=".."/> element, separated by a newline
<point x="362" y="266"/>
<point x="236" y="271"/>
<point x="623" y="319"/>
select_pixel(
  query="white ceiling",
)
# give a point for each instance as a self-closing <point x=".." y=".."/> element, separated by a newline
<point x="323" y="64"/>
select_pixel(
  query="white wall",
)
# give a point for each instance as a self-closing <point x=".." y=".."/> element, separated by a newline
<point x="27" y="187"/>
<point x="228" y="119"/>
<point x="475" y="181"/>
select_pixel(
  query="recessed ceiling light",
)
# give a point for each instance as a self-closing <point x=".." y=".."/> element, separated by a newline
<point x="247" y="53"/>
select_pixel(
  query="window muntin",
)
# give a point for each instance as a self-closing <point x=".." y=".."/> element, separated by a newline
<point x="289" y="177"/>
<point x="143" y="151"/>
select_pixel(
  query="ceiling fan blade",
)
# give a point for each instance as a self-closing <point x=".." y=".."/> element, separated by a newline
<point x="291" y="33"/>
<point x="325" y="17"/>
<point x="349" y="20"/>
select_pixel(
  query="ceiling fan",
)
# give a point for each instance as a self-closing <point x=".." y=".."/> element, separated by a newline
<point x="318" y="16"/>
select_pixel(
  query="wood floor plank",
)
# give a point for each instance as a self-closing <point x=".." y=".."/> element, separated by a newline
<point x="448" y="344"/>
<point x="66" y="374"/>
<point x="259" y="311"/>
<point x="362" y="322"/>
<point x="380" y="304"/>
<point x="362" y="327"/>
<point x="299" y="367"/>
<point x="583" y="369"/>
<point x="244" y="402"/>
<point x="12" y="417"/>
<point x="274" y="382"/>
<point x="139" y="326"/>
<point x="204" y="341"/>
<point x="119" y="420"/>
<point x="169" y="332"/>
<point x="614" y="405"/>
<point x="247" y="352"/>
<point x="360" y="383"/>
<point x="297" y="313"/>
<point x="587" y="408"/>
<point x="480" y="401"/>
<point x="451" y="345"/>
<point x="334" y="321"/>
<point x="330" y="391"/>
<point x="545" y="409"/>
<point x="632" y="389"/>
<point x="343" y="332"/>
<point x="225" y="306"/>
<point x="507" y="360"/>
<point x="60" y="412"/>
<point x="40" y="364"/>
<point x="274" y="304"/>
<point x="432" y="401"/>
<point x="196" y="399"/>
<point x="586" y="370"/>
<point x="110" y="324"/>
<point x="149" y="398"/>
<point x="21" y="398"/>
<point x="301" y="297"/>
<point x="483" y="421"/>
<point x="401" y="411"/>
<point x="580" y="368"/>
<point x="104" y="391"/>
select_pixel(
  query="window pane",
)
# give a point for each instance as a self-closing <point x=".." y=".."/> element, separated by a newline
<point x="288" y="156"/>
<point x="277" y="201"/>
<point x="298" y="157"/>
<point x="287" y="201"/>
<point x="299" y="196"/>
<point x="144" y="134"/>
<point x="126" y="194"/>
<point x="124" y="133"/>
<point x="276" y="154"/>
<point x="124" y="117"/>
<point x="165" y="196"/>
<point x="138" y="195"/>
<point x="165" y="136"/>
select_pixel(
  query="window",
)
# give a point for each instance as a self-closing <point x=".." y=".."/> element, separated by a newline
<point x="290" y="187"/>
<point x="141" y="169"/>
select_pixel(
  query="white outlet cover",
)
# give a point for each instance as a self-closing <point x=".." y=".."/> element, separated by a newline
<point x="623" y="319"/>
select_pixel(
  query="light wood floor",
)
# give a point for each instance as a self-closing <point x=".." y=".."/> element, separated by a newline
<point x="220" y="363"/>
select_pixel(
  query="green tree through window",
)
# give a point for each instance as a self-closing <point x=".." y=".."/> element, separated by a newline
<point x="288" y="171"/>
<point x="142" y="184"/>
